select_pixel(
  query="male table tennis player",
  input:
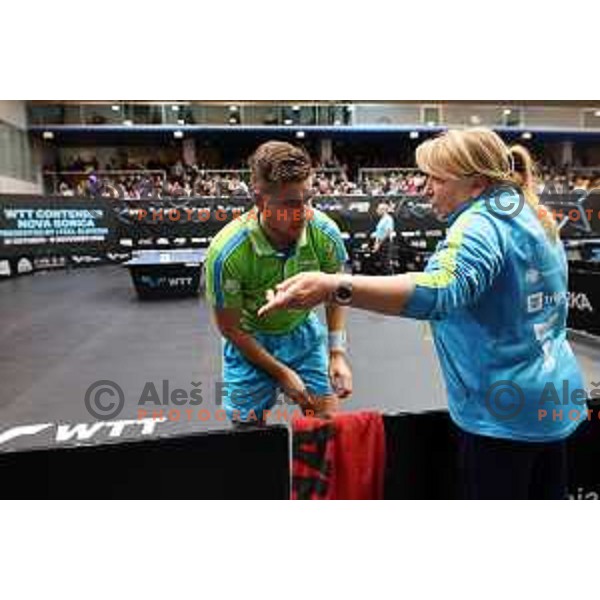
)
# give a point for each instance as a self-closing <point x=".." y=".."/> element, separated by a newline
<point x="282" y="235"/>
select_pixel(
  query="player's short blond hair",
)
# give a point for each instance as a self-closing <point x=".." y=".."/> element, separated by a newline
<point x="274" y="163"/>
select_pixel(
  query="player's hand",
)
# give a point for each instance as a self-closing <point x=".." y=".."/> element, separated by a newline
<point x="325" y="407"/>
<point x="340" y="374"/>
<point x="305" y="290"/>
<point x="294" y="388"/>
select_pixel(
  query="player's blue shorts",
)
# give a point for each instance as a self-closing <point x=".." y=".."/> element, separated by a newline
<point x="248" y="388"/>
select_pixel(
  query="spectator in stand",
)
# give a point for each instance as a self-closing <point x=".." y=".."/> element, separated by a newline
<point x="64" y="189"/>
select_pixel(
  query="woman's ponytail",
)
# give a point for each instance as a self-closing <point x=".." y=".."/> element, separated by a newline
<point x="522" y="174"/>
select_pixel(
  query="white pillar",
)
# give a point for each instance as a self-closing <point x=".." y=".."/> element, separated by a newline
<point x="566" y="153"/>
<point x="19" y="173"/>
<point x="326" y="153"/>
<point x="189" y="151"/>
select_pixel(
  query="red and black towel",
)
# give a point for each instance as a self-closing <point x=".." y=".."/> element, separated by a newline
<point x="342" y="458"/>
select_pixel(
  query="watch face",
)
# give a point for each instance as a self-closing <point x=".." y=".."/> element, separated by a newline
<point x="343" y="293"/>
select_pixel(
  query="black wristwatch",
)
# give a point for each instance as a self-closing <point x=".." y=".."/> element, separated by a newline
<point x="343" y="293"/>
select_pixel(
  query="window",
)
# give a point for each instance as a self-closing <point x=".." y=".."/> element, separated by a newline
<point x="591" y="118"/>
<point x="15" y="153"/>
<point x="512" y="116"/>
<point x="431" y="115"/>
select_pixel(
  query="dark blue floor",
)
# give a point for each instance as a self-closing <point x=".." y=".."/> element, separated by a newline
<point x="60" y="332"/>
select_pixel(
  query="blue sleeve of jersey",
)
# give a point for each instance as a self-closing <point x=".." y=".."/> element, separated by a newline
<point x="384" y="227"/>
<point x="335" y="253"/>
<point x="462" y="268"/>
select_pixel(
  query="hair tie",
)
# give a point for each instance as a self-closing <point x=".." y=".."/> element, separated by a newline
<point x="511" y="161"/>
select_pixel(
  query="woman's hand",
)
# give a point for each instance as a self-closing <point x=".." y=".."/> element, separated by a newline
<point x="305" y="290"/>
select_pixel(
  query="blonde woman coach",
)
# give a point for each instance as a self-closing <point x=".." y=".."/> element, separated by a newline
<point x="495" y="293"/>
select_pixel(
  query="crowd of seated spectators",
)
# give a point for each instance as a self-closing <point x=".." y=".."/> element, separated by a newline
<point x="552" y="180"/>
<point x="134" y="181"/>
<point x="131" y="181"/>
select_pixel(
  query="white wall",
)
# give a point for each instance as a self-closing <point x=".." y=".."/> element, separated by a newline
<point x="13" y="112"/>
<point x="553" y="116"/>
<point x="8" y="185"/>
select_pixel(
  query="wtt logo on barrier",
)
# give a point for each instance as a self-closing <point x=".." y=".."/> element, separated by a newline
<point x="162" y="281"/>
<point x="81" y="432"/>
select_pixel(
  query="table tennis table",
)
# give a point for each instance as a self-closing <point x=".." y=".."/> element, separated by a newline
<point x="166" y="273"/>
